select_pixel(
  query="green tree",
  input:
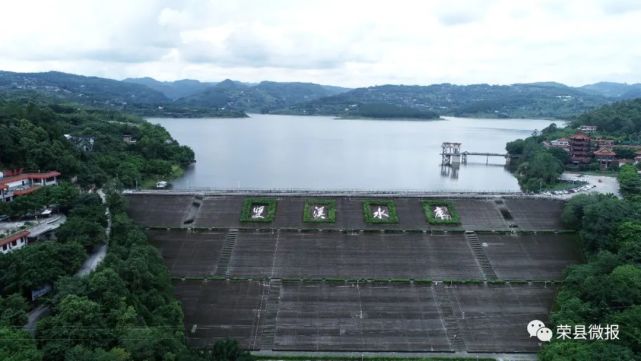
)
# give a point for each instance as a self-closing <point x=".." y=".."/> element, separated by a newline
<point x="629" y="321"/>
<point x="13" y="310"/>
<point x="84" y="231"/>
<point x="17" y="345"/>
<point x="228" y="350"/>
<point x="629" y="181"/>
<point x="585" y="351"/>
<point x="81" y="353"/>
<point x="75" y="321"/>
<point x="542" y="169"/>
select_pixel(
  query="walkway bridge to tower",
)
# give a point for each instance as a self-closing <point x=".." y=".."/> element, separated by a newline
<point x="451" y="154"/>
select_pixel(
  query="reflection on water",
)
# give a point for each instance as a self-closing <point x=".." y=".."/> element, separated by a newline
<point x="277" y="151"/>
<point x="449" y="171"/>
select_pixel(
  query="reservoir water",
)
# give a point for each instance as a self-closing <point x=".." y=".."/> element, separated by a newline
<point x="324" y="153"/>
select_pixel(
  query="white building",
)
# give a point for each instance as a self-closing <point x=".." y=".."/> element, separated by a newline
<point x="588" y="128"/>
<point x="18" y="183"/>
<point x="11" y="242"/>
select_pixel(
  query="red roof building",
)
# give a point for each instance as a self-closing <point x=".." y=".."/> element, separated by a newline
<point x="13" y="241"/>
<point x="24" y="183"/>
<point x="580" y="148"/>
<point x="605" y="157"/>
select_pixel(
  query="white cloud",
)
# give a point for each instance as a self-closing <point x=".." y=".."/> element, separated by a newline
<point x="352" y="43"/>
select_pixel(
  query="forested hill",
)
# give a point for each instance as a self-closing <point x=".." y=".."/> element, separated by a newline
<point x="103" y="93"/>
<point x="32" y="136"/>
<point x="228" y="98"/>
<point x="172" y="89"/>
<point x="622" y="119"/>
<point x="536" y="100"/>
<point x="149" y="97"/>
<point x="614" y="90"/>
<point x="264" y="97"/>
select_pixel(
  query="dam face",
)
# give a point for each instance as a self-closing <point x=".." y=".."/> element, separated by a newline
<point x="354" y="283"/>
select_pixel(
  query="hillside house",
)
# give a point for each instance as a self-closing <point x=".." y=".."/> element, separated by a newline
<point x="13" y="241"/>
<point x="15" y="183"/>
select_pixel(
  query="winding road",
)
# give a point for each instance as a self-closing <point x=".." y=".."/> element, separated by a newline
<point x="90" y="264"/>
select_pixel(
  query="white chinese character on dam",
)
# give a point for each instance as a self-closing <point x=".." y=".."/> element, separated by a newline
<point x="258" y="212"/>
<point x="381" y="213"/>
<point x="319" y="212"/>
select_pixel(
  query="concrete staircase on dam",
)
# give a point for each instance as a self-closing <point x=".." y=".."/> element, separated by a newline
<point x="477" y="248"/>
<point x="225" y="254"/>
<point x="271" y="311"/>
<point x="454" y="332"/>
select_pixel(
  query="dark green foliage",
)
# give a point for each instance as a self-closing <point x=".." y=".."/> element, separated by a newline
<point x="37" y="265"/>
<point x="629" y="320"/>
<point x="535" y="167"/>
<point x="17" y="345"/>
<point x="629" y="181"/>
<point x="330" y="204"/>
<point x="124" y="309"/>
<point x="369" y="218"/>
<point x="585" y="351"/>
<point x="13" y="310"/>
<point x="246" y="211"/>
<point x="622" y="119"/>
<point x="607" y="289"/>
<point x="227" y="350"/>
<point x="86" y="222"/>
<point x="561" y="155"/>
<point x="386" y="111"/>
<point x="32" y="137"/>
<point x="572" y="216"/>
<point x="624" y="152"/>
<point x="428" y="207"/>
<point x="81" y="353"/>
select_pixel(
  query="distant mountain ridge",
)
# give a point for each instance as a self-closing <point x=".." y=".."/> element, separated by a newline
<point x="182" y="98"/>
<point x="265" y="97"/>
<point x="172" y="89"/>
<point x="539" y="100"/>
<point x="193" y="98"/>
<point x="620" y="91"/>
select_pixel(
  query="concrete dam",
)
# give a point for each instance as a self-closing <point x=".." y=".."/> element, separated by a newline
<point x="351" y="282"/>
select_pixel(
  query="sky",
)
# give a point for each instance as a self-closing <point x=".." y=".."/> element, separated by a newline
<point x="347" y="42"/>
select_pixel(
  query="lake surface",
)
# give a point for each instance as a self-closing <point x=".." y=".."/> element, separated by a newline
<point x="304" y="152"/>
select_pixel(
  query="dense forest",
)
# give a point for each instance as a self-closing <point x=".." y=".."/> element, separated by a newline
<point x="621" y="120"/>
<point x="125" y="309"/>
<point x="606" y="289"/>
<point x="536" y="167"/>
<point x="32" y="137"/>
